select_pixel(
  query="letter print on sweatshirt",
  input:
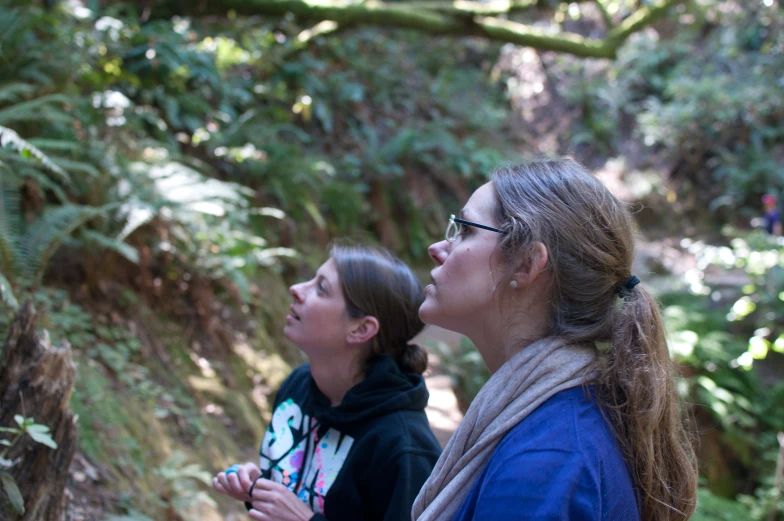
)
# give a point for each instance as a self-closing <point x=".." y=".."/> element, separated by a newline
<point x="283" y="454"/>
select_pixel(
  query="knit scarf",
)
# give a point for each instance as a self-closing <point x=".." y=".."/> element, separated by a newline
<point x="522" y="384"/>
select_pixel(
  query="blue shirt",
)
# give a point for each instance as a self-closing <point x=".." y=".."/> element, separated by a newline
<point x="562" y="462"/>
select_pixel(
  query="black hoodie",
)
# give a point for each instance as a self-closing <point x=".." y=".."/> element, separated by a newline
<point x="365" y="459"/>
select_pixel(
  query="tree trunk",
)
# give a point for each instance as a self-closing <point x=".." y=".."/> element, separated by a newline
<point x="36" y="381"/>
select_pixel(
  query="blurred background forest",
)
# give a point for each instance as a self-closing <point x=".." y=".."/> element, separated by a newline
<point x="167" y="169"/>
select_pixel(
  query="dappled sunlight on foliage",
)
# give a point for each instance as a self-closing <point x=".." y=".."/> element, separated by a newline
<point x="163" y="180"/>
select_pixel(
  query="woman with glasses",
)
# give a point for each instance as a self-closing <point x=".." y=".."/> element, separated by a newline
<point x="348" y="439"/>
<point x="580" y="419"/>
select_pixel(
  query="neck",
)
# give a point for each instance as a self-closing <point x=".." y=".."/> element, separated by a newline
<point x="498" y="341"/>
<point x="335" y="375"/>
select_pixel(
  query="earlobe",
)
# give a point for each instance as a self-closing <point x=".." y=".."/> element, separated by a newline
<point x="363" y="330"/>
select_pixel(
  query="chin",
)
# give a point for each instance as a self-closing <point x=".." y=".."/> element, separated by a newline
<point x="288" y="336"/>
<point x="428" y="313"/>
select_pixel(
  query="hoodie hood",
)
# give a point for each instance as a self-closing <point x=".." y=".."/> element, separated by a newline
<point x="384" y="390"/>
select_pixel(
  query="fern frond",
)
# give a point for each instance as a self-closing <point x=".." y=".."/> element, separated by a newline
<point x="109" y="243"/>
<point x="136" y="213"/>
<point x="28" y="110"/>
<point x="18" y="170"/>
<point x="10" y="228"/>
<point x="77" y="166"/>
<point x="39" y="76"/>
<point x="56" y="145"/>
<point x="44" y="235"/>
<point x="10" y="138"/>
<point x="7" y="293"/>
<point x="14" y="91"/>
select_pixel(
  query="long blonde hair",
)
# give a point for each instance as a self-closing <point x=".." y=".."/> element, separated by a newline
<point x="589" y="237"/>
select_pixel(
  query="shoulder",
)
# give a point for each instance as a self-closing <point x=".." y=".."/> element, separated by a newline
<point x="401" y="434"/>
<point x="571" y="421"/>
<point x="567" y="433"/>
<point x="570" y="456"/>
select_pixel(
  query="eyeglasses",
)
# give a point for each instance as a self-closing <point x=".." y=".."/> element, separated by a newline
<point x="454" y="228"/>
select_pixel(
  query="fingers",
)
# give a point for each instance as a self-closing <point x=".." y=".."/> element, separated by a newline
<point x="253" y="471"/>
<point x="266" y="484"/>
<point x="244" y="477"/>
<point x="218" y="486"/>
<point x="258" y="515"/>
<point x="263" y="496"/>
<point x="220" y="480"/>
<point x="234" y="484"/>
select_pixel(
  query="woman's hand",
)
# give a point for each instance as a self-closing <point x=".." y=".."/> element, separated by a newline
<point x="237" y="483"/>
<point x="274" y="502"/>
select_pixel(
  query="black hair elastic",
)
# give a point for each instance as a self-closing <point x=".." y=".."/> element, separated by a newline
<point x="627" y="286"/>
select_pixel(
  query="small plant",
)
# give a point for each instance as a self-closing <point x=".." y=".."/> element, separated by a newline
<point x="40" y="434"/>
<point x="179" y="490"/>
<point x="178" y="495"/>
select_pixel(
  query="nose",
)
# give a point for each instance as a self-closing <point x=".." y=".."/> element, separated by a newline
<point x="437" y="251"/>
<point x="296" y="292"/>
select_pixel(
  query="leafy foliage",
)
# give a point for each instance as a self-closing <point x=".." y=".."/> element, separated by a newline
<point x="184" y="162"/>
<point x="38" y="433"/>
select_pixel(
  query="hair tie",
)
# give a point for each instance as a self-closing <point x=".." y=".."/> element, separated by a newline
<point x="627" y="286"/>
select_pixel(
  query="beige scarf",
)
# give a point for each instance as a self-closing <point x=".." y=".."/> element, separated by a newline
<point x="523" y="383"/>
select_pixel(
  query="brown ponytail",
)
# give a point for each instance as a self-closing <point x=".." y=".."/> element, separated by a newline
<point x="638" y="393"/>
<point x="376" y="283"/>
<point x="589" y="239"/>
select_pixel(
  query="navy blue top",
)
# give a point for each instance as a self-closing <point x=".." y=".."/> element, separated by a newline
<point x="771" y="218"/>
<point x="562" y="462"/>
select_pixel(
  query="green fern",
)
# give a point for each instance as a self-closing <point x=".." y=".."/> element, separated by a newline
<point x="110" y="243"/>
<point x="135" y="213"/>
<point x="44" y="235"/>
<point x="7" y="296"/>
<point x="13" y="92"/>
<point x="46" y="107"/>
<point x="10" y="228"/>
<point x="26" y="149"/>
<point x="23" y="169"/>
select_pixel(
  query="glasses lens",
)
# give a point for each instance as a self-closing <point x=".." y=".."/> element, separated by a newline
<point x="452" y="229"/>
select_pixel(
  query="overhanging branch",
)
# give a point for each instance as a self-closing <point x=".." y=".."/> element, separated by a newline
<point x="605" y="14"/>
<point x="520" y="34"/>
<point x="458" y="18"/>
<point x="641" y="18"/>
<point x="467" y="7"/>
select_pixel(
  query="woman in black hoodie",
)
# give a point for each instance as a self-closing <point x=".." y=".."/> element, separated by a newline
<point x="349" y="439"/>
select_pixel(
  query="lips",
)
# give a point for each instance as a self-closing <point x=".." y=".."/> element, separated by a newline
<point x="432" y="286"/>
<point x="293" y="313"/>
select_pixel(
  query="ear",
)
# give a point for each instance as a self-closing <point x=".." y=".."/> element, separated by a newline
<point x="362" y="330"/>
<point x="534" y="266"/>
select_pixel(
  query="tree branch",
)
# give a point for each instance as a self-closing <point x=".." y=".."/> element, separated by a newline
<point x="605" y="14"/>
<point x="641" y="18"/>
<point x="468" y="7"/>
<point x="521" y="34"/>
<point x="459" y="18"/>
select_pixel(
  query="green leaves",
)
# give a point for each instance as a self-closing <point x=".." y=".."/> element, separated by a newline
<point x="12" y="491"/>
<point x="38" y="432"/>
<point x="9" y="138"/>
